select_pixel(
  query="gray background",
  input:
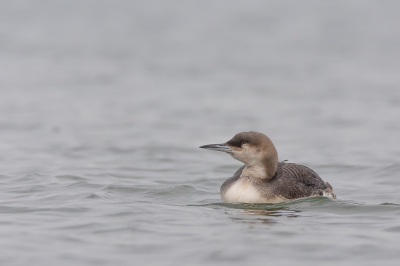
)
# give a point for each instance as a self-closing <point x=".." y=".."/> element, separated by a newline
<point x="103" y="105"/>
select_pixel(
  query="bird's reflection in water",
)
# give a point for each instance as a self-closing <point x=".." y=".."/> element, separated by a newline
<point x="257" y="216"/>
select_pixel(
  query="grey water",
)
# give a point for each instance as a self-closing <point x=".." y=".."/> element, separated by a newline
<point x="103" y="105"/>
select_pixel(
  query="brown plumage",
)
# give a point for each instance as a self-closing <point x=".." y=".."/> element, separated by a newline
<point x="263" y="179"/>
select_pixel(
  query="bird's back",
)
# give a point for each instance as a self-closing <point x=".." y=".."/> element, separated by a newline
<point x="291" y="181"/>
<point x="296" y="181"/>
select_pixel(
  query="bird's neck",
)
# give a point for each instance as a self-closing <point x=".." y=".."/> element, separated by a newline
<point x="258" y="172"/>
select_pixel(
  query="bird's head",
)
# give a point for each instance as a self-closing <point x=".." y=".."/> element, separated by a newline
<point x="251" y="148"/>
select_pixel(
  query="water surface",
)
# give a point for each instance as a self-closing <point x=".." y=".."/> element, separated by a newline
<point x="104" y="104"/>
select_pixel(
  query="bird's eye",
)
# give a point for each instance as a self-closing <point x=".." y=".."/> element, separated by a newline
<point x="244" y="142"/>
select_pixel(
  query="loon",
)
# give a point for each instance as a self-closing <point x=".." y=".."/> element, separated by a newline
<point x="263" y="179"/>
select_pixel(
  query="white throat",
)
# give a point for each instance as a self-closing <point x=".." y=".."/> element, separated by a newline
<point x="255" y="171"/>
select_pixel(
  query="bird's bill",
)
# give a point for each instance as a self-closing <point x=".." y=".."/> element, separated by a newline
<point x="217" y="147"/>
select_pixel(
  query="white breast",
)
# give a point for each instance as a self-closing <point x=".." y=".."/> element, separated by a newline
<point x="243" y="191"/>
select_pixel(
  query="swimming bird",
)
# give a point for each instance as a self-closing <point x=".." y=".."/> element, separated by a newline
<point x="263" y="179"/>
